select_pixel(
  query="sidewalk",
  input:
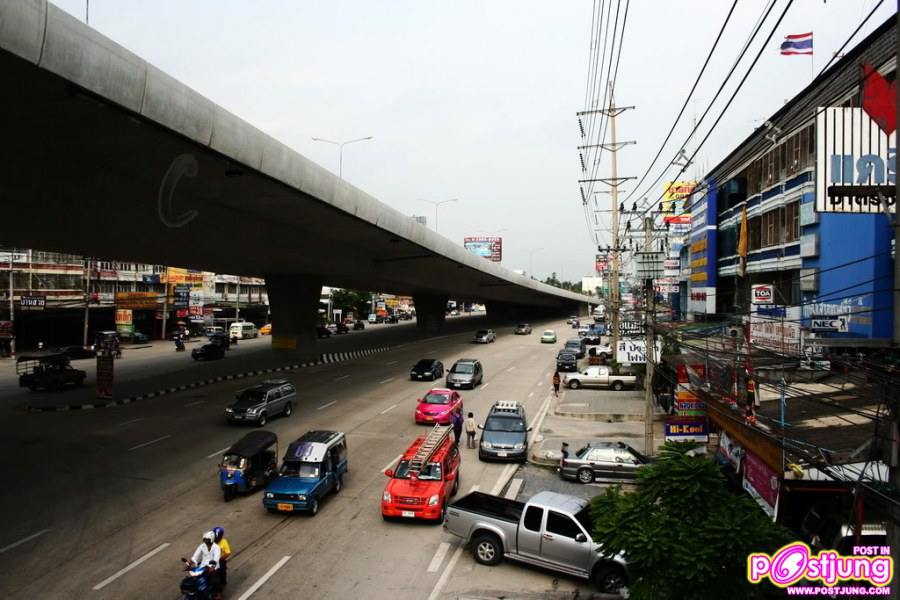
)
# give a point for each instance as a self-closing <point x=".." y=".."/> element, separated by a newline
<point x="579" y="416"/>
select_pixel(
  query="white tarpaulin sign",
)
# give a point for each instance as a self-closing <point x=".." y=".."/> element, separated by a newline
<point x="635" y="351"/>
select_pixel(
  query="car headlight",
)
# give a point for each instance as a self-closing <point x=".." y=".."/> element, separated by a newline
<point x="419" y="411"/>
<point x="441" y="414"/>
<point x="252" y="411"/>
<point x="427" y="373"/>
<point x="433" y="500"/>
<point x="519" y="447"/>
<point x="270" y="495"/>
<point x="229" y="410"/>
<point x="386" y="496"/>
<point x="486" y="445"/>
<point x="301" y="497"/>
<point x="412" y="373"/>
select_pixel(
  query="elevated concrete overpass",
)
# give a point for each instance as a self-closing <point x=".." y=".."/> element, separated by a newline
<point x="105" y="155"/>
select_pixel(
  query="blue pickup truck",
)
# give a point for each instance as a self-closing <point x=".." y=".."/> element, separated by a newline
<point x="313" y="466"/>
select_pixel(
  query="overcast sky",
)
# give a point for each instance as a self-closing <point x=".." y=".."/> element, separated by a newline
<point x="473" y="99"/>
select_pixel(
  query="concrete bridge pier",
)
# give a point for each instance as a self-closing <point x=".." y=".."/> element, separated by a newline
<point x="431" y="311"/>
<point x="294" y="301"/>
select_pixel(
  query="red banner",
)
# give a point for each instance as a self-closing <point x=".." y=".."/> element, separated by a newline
<point x="761" y="482"/>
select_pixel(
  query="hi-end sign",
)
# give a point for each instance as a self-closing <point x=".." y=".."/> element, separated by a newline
<point x="687" y="429"/>
<point x="857" y="162"/>
<point x="839" y="324"/>
<point x="762" y="294"/>
<point x="490" y="248"/>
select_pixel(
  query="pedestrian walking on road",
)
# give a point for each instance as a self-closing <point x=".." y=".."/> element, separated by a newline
<point x="556" y="382"/>
<point x="470" y="431"/>
<point x="457" y="425"/>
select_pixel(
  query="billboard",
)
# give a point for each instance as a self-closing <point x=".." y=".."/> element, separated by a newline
<point x="856" y="162"/>
<point x="676" y="201"/>
<point x="137" y="300"/>
<point x="490" y="248"/>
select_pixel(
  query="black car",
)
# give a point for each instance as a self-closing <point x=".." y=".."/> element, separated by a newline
<point x="341" y="328"/>
<point x="208" y="352"/>
<point x="221" y="339"/>
<point x="566" y="361"/>
<point x="322" y="332"/>
<point x="427" y="369"/>
<point x="577" y="346"/>
<point x="77" y="352"/>
<point x="604" y="461"/>
<point x="392" y="318"/>
<point x="504" y="435"/>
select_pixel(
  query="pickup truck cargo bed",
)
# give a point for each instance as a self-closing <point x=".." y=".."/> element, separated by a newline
<point x="493" y="506"/>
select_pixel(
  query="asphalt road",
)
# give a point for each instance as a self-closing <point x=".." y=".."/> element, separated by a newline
<point x="102" y="503"/>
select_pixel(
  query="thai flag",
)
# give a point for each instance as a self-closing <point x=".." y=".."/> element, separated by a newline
<point x="797" y="43"/>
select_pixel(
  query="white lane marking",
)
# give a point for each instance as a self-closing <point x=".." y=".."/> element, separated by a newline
<point x="513" y="490"/>
<point x="511" y="369"/>
<point x="438" y="558"/>
<point x="159" y="439"/>
<point x="501" y="481"/>
<point x="538" y="384"/>
<point x="388" y="409"/>
<point x="388" y="380"/>
<point x="531" y="395"/>
<point x="579" y="404"/>
<point x="340" y="378"/>
<point x="194" y="403"/>
<point x="218" y="452"/>
<point x="23" y="540"/>
<point x="136" y="563"/>
<point x="393" y="362"/>
<point x="439" y="586"/>
<point x="483" y="386"/>
<point x="131" y="421"/>
<point x="392" y="463"/>
<point x="474" y="488"/>
<point x="327" y="404"/>
<point x="539" y="418"/>
<point x="262" y="580"/>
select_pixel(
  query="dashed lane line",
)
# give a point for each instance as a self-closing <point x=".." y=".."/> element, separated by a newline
<point x="218" y="452"/>
<point x="392" y="463"/>
<point x="23" y="541"/>
<point x="145" y="444"/>
<point x="262" y="580"/>
<point x="195" y="403"/>
<point x="389" y="363"/>
<point x="438" y="558"/>
<point x="484" y="386"/>
<point x="130" y="422"/>
<point x="327" y="404"/>
<point x="388" y="409"/>
<point x="342" y="377"/>
<point x="439" y="586"/>
<point x="133" y="565"/>
<point x="388" y="380"/>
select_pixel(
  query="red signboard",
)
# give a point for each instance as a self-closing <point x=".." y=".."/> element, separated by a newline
<point x="761" y="482"/>
<point x="678" y="219"/>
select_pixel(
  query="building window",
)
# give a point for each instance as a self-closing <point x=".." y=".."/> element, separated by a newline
<point x="754" y="226"/>
<point x="770" y="228"/>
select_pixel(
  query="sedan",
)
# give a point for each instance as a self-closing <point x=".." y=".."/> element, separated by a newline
<point x="601" y="461"/>
<point x="548" y="337"/>
<point x="208" y="352"/>
<point x="523" y="329"/>
<point x="427" y="369"/>
<point x="438" y="406"/>
<point x="322" y="332"/>
<point x="566" y="361"/>
<point x="266" y="329"/>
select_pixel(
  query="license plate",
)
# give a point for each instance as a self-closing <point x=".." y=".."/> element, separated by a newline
<point x="407" y="513"/>
<point x="429" y="418"/>
<point x="285" y="507"/>
<point x="502" y="453"/>
<point x="238" y="417"/>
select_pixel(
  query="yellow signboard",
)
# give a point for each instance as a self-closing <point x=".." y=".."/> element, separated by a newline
<point x="676" y="196"/>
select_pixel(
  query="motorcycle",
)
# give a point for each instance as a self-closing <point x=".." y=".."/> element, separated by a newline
<point x="197" y="584"/>
<point x="179" y="345"/>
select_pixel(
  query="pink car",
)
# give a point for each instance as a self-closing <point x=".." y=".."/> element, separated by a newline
<point x="438" y="406"/>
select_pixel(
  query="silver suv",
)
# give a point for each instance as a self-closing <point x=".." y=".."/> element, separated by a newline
<point x="485" y="336"/>
<point x="259" y="403"/>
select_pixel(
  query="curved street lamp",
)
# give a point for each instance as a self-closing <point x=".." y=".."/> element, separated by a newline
<point x="436" y="204"/>
<point x="341" y="146"/>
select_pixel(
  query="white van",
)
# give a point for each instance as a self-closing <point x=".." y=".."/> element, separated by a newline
<point x="243" y="330"/>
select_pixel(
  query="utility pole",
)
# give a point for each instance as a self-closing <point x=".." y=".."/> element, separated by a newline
<point x="650" y="354"/>
<point x="12" y="309"/>
<point x="613" y="182"/>
<point x="165" y="303"/>
<point x="237" y="301"/>
<point x="87" y="299"/>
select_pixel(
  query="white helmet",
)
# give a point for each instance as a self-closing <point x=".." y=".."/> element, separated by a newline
<point x="209" y="535"/>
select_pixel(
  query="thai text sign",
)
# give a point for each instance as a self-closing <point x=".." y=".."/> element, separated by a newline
<point x="635" y="351"/>
<point x="490" y="248"/>
<point x="137" y="300"/>
<point x="33" y="302"/>
<point x="775" y="334"/>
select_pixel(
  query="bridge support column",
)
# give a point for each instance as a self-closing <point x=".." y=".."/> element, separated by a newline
<point x="431" y="311"/>
<point x="294" y="300"/>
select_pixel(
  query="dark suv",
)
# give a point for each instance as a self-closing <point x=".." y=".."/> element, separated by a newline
<point x="566" y="361"/>
<point x="577" y="346"/>
<point x="504" y="435"/>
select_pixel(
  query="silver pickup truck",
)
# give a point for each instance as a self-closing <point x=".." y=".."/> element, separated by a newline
<point x="598" y="377"/>
<point x="551" y="530"/>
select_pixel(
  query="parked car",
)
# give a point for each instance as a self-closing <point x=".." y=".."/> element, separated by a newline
<point x="465" y="372"/>
<point x="485" y="336"/>
<point x="266" y="329"/>
<point x="523" y="329"/>
<point x="551" y="530"/>
<point x="313" y="466"/>
<point x="323" y="332"/>
<point x="598" y="377"/>
<point x="583" y="330"/>
<point x="208" y="352"/>
<point x="424" y="480"/>
<point x="604" y="350"/>
<point x="504" y="435"/>
<point x="77" y="352"/>
<point x="427" y="369"/>
<point x="566" y="361"/>
<point x="139" y="338"/>
<point x="601" y="461"/>
<point x="259" y="403"/>
<point x="548" y="337"/>
<point x="571" y="319"/>
<point x="577" y="346"/>
<point x="438" y="406"/>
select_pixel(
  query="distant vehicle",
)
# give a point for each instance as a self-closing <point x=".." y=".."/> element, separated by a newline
<point x="139" y="338"/>
<point x="583" y="330"/>
<point x="465" y="372"/>
<point x="209" y="331"/>
<point x="566" y="361"/>
<point x="105" y="338"/>
<point x="598" y="377"/>
<point x="259" y="403"/>
<point x="454" y="313"/>
<point x="373" y="318"/>
<point x="405" y="316"/>
<point x="485" y="336"/>
<point x="359" y="325"/>
<point x="340" y="328"/>
<point x="323" y="332"/>
<point x="48" y="371"/>
<point x="438" y="406"/>
<point x="313" y="466"/>
<point x="427" y="369"/>
<point x="577" y="346"/>
<point x="392" y="318"/>
<point x="208" y="352"/>
<point x="424" y="480"/>
<point x="243" y="330"/>
<point x="523" y="329"/>
<point x="77" y="352"/>
<point x="592" y="339"/>
<point x="504" y="435"/>
<point x="250" y="463"/>
<point x="604" y="350"/>
<point x="548" y="337"/>
<point x="571" y="319"/>
<point x="602" y="461"/>
<point x="266" y="329"/>
<point x="220" y="338"/>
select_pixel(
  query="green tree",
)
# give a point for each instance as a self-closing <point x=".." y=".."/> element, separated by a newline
<point x="351" y="301"/>
<point x="685" y="535"/>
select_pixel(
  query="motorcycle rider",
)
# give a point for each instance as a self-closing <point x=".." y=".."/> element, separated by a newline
<point x="208" y="553"/>
<point x="225" y="549"/>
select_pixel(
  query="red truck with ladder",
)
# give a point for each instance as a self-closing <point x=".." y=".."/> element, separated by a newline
<point x="424" y="480"/>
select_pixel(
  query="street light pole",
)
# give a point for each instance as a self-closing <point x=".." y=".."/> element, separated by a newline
<point x="436" y="204"/>
<point x="531" y="261"/>
<point x="12" y="312"/>
<point x="340" y="146"/>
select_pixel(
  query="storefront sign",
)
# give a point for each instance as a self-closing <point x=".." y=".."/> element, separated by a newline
<point x="761" y="482"/>
<point x="686" y="429"/>
<point x="702" y="300"/>
<point x="124" y="316"/>
<point x="778" y="335"/>
<point x="181" y="295"/>
<point x="137" y="300"/>
<point x="631" y="328"/>
<point x="33" y="302"/>
<point x="762" y="294"/>
<point x="729" y="452"/>
<point x="687" y="404"/>
<point x="634" y="351"/>
<point x="839" y="324"/>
